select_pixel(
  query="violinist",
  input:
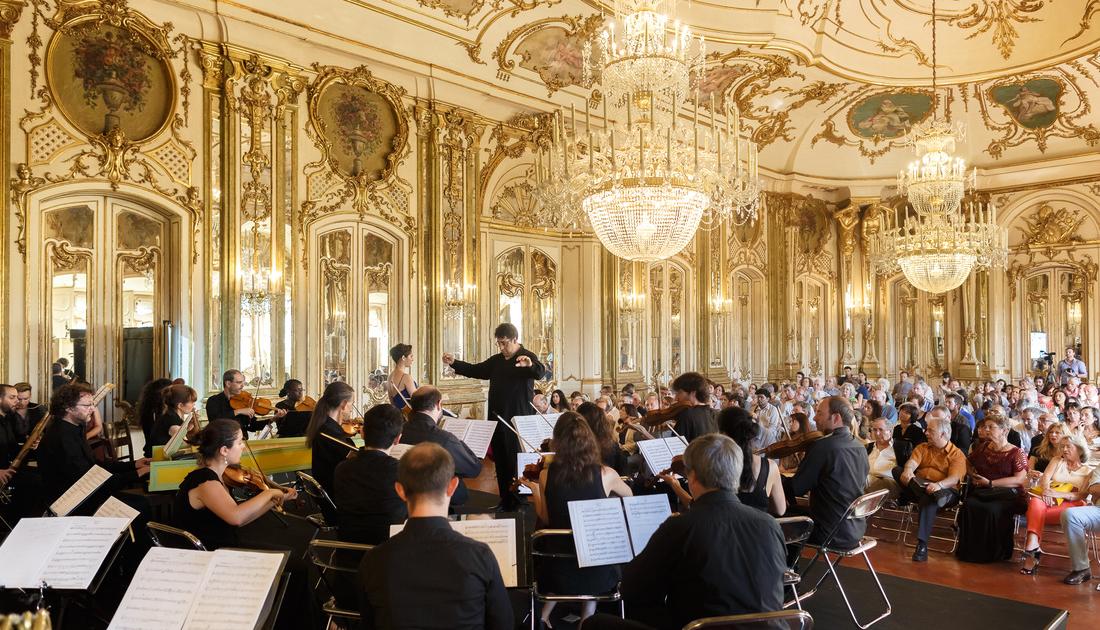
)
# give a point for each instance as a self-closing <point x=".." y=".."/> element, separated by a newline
<point x="400" y="385"/>
<point x="611" y="454"/>
<point x="423" y="426"/>
<point x="365" y="497"/>
<point x="575" y="474"/>
<point x="178" y="403"/>
<point x="335" y="405"/>
<point x="692" y="413"/>
<point x="203" y="505"/>
<point x="298" y="409"/>
<point x="219" y="407"/>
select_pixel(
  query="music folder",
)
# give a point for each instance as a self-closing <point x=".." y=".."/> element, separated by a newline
<point x="66" y="552"/>
<point x="614" y="530"/>
<point x="183" y="589"/>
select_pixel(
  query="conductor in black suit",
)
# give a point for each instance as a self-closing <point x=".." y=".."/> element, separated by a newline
<point x="511" y="374"/>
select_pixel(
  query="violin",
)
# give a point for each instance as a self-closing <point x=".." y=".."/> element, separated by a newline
<point x="238" y="476"/>
<point x="244" y="400"/>
<point x="532" y="472"/>
<point x="306" y="404"/>
<point x="665" y="415"/>
<point x="352" y="426"/>
<point x="792" y="446"/>
<point x="676" y="467"/>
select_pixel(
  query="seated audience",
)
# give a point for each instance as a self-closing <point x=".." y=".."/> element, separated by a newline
<point x="932" y="475"/>
<point x="882" y="458"/>
<point x="998" y="471"/>
<point x="366" y="501"/>
<point x="962" y="423"/>
<point x="574" y="474"/>
<point x="1063" y="485"/>
<point x="719" y="558"/>
<point x="429" y="576"/>
<point x="423" y="426"/>
<point x="1028" y="427"/>
<point x="1048" y="447"/>
<point x="909" y="429"/>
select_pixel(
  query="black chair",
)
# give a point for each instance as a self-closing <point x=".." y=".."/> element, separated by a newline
<point x="167" y="536"/>
<point x="863" y="507"/>
<point x="796" y="529"/>
<point x="338" y="565"/>
<point x="326" y="519"/>
<point x="538" y="554"/>
<point x="780" y="620"/>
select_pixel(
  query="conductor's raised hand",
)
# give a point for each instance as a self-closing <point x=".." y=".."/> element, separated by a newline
<point x="448" y="358"/>
<point x="523" y="361"/>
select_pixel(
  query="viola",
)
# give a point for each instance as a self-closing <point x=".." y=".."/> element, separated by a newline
<point x="306" y="404"/>
<point x="238" y="476"/>
<point x="244" y="400"/>
<point x="676" y="467"/>
<point x="532" y="472"/>
<point x="792" y="446"/>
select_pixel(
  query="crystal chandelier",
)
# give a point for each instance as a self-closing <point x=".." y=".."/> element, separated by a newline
<point x="652" y="171"/>
<point x="938" y="246"/>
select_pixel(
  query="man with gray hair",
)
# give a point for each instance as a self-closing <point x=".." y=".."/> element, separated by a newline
<point x="720" y="558"/>
<point x="1028" y="427"/>
<point x="932" y="475"/>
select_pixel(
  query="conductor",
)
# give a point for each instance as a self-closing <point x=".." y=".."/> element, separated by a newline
<point x="511" y="374"/>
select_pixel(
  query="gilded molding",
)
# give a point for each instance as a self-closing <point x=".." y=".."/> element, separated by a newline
<point x="10" y="12"/>
<point x="1071" y="124"/>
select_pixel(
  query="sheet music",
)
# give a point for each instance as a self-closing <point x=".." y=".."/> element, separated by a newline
<point x="163" y="590"/>
<point x="175" y="443"/>
<point x="113" y="508"/>
<point x="81" y="490"/>
<point x="397" y="450"/>
<point x="234" y="590"/>
<point x="658" y="453"/>
<point x="534" y="429"/>
<point x="65" y="552"/>
<point x="599" y="532"/>
<point x="176" y="589"/>
<point x="479" y="434"/>
<point x="644" y="514"/>
<point x="499" y="534"/>
<point x="456" y="427"/>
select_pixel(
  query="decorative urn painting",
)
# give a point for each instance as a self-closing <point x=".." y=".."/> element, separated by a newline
<point x="105" y="78"/>
<point x="888" y="115"/>
<point x="360" y="126"/>
<point x="1032" y="104"/>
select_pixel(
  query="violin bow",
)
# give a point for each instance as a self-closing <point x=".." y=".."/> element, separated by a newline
<point x="544" y="418"/>
<point x="350" y="447"/>
<point x="669" y="427"/>
<point x="521" y="438"/>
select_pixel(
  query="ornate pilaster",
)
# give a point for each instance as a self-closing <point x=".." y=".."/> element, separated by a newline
<point x="874" y="303"/>
<point x="10" y="11"/>
<point x="846" y="220"/>
<point x="780" y="215"/>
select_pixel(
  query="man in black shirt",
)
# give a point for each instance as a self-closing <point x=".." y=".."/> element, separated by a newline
<point x="218" y="407"/>
<point x="430" y="576"/>
<point x="28" y="414"/>
<point x="423" y="426"/>
<point x="511" y="374"/>
<point x="719" y="558"/>
<point x="57" y="377"/>
<point x="697" y="418"/>
<point x="835" y="470"/>
<point x="9" y="443"/>
<point x="366" y="501"/>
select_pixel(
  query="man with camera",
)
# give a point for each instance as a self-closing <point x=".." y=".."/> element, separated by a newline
<point x="1070" y="366"/>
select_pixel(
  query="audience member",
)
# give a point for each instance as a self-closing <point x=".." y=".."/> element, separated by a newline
<point x="998" y="473"/>
<point x="932" y="475"/>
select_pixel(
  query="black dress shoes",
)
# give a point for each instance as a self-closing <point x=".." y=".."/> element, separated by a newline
<point x="921" y="552"/>
<point x="1078" y="577"/>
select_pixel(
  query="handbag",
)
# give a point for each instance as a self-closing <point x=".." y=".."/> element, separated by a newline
<point x="1057" y="486"/>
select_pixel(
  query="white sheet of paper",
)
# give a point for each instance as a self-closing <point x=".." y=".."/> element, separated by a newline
<point x="27" y="549"/>
<point x="399" y="449"/>
<point x="522" y="459"/>
<point x="82" y="489"/>
<point x="499" y="534"/>
<point x="64" y="552"/>
<point x="479" y="434"/>
<point x="456" y="426"/>
<point x="534" y="429"/>
<point x="163" y="590"/>
<point x="175" y="443"/>
<point x="658" y="453"/>
<point x="113" y="508"/>
<point x="644" y="514"/>
<point x="234" y="590"/>
<point x="599" y="532"/>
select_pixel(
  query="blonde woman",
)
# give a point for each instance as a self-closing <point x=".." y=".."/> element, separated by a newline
<point x="1063" y="485"/>
<point x="1048" y="449"/>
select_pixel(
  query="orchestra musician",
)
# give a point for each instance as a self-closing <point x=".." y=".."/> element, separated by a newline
<point x="335" y="405"/>
<point x="178" y="402"/>
<point x="423" y="426"/>
<point x="9" y="444"/>
<point x="218" y="406"/>
<point x="295" y="422"/>
<point x="64" y="454"/>
<point x="149" y="407"/>
<point x="691" y="410"/>
<point x="400" y="385"/>
<point x="511" y="374"/>
<point x="366" y="500"/>
<point x="28" y="413"/>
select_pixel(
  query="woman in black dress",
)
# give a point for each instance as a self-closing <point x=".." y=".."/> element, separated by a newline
<point x="611" y="454"/>
<point x="761" y="484"/>
<point x="149" y="406"/>
<point x="574" y="474"/>
<point x="178" y="405"/>
<point x="335" y="405"/>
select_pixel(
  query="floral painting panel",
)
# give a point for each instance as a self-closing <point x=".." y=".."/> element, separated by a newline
<point x="1032" y="104"/>
<point x="104" y="78"/>
<point x="360" y="126"/>
<point x="889" y="115"/>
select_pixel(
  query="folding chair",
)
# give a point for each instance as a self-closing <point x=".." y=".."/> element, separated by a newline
<point x="946" y="523"/>
<point x="325" y="520"/>
<point x="172" y="537"/>
<point x="338" y="564"/>
<point x="796" y="529"/>
<point x="892" y="518"/>
<point x="538" y="554"/>
<point x="862" y="507"/>
<point x="780" y="620"/>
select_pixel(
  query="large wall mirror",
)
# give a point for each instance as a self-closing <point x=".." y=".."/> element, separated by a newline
<point x="526" y="281"/>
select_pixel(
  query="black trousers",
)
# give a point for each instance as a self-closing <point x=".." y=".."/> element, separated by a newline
<point x="505" y="446"/>
<point x="928" y="505"/>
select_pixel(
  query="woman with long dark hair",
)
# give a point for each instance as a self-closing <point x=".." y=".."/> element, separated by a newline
<point x="761" y="486"/>
<point x="558" y="401"/>
<point x="610" y="453"/>
<point x="149" y="405"/>
<point x="324" y="427"/>
<point x="575" y="474"/>
<point x="178" y="406"/>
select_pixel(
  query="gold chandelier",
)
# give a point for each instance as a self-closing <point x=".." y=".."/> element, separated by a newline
<point x="646" y="178"/>
<point x="938" y="246"/>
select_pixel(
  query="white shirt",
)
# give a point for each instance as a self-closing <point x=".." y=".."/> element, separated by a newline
<point x="882" y="462"/>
